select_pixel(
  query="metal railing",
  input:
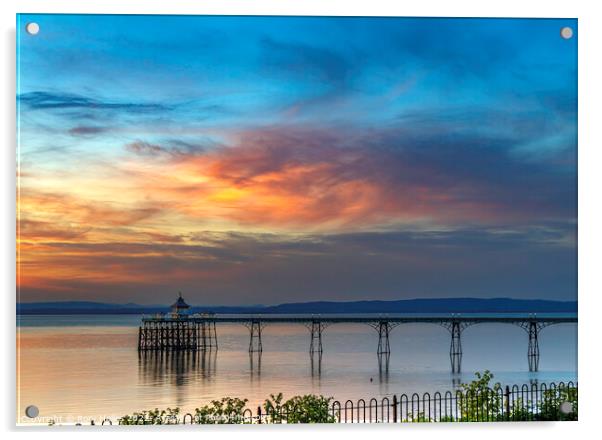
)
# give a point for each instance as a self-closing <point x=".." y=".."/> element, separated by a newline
<point x="535" y="402"/>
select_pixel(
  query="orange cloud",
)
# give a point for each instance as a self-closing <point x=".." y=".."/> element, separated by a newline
<point x="299" y="180"/>
<point x="146" y="219"/>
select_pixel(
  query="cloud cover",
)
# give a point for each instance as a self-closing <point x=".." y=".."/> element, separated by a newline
<point x="398" y="158"/>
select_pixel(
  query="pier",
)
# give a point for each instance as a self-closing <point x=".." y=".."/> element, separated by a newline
<point x="181" y="331"/>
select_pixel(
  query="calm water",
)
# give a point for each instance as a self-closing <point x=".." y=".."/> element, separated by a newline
<point x="88" y="366"/>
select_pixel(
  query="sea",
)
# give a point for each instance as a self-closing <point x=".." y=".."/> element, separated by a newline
<point x="78" y="368"/>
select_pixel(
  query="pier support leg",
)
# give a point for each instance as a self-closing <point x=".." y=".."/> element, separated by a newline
<point x="203" y="340"/>
<point x="177" y="335"/>
<point x="455" y="349"/>
<point x="214" y="343"/>
<point x="209" y="335"/>
<point x="140" y="338"/>
<point x="316" y="337"/>
<point x="255" y="339"/>
<point x="383" y="338"/>
<point x="533" y="351"/>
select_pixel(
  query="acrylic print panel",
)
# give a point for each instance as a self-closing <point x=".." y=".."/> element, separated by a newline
<point x="372" y="213"/>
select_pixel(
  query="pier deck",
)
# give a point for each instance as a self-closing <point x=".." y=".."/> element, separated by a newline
<point x="198" y="331"/>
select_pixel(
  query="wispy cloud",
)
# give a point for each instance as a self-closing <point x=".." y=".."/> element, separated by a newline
<point x="45" y="100"/>
<point x="87" y="130"/>
<point x="386" y="265"/>
<point x="172" y="147"/>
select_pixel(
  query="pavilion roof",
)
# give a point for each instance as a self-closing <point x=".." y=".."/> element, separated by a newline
<point x="180" y="303"/>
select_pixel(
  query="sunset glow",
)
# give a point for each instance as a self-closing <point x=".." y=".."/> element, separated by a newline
<point x="264" y="160"/>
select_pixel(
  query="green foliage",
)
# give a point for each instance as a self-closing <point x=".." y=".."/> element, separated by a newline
<point x="552" y="399"/>
<point x="228" y="410"/>
<point x="484" y="402"/>
<point x="274" y="408"/>
<point x="419" y="418"/>
<point x="481" y="401"/>
<point x="478" y="401"/>
<point x="231" y="410"/>
<point x="155" y="416"/>
<point x="519" y="411"/>
<point x="299" y="409"/>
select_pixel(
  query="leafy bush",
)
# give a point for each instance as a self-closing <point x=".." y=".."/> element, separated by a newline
<point x="274" y="408"/>
<point x="549" y="409"/>
<point x="299" y="409"/>
<point x="421" y="418"/>
<point x="519" y="411"/>
<point x="481" y="401"/>
<point x="231" y="410"/>
<point x="226" y="410"/>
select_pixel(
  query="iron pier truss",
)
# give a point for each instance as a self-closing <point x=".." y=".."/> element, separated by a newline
<point x="198" y="332"/>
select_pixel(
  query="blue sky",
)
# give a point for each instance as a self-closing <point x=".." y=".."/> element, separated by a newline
<point x="237" y="156"/>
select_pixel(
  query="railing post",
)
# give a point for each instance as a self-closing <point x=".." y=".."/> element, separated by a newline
<point x="507" y="407"/>
<point x="394" y="408"/>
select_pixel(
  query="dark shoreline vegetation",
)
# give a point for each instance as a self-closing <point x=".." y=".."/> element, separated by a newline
<point x="431" y="305"/>
<point x="477" y="401"/>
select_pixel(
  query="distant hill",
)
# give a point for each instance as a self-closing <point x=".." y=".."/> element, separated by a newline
<point x="430" y="305"/>
<point x="441" y="305"/>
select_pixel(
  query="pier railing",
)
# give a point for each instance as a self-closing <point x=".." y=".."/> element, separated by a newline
<point x="535" y="402"/>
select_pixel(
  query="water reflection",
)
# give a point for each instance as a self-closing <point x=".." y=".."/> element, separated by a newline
<point x="72" y="371"/>
<point x="315" y="359"/>
<point x="255" y="364"/>
<point x="175" y="367"/>
<point x="383" y="366"/>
